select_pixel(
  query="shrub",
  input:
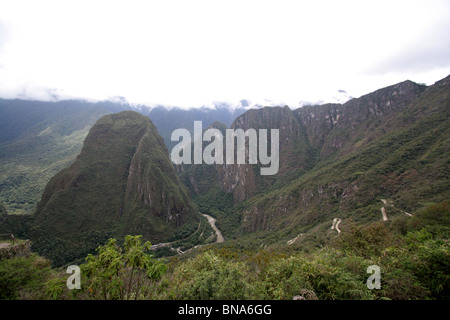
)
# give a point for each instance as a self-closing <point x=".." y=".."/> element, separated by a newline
<point x="206" y="276"/>
<point x="23" y="277"/>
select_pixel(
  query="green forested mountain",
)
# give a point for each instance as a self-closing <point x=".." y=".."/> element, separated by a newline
<point x="122" y="182"/>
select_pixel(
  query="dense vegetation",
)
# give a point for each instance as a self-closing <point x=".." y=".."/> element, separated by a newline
<point x="413" y="254"/>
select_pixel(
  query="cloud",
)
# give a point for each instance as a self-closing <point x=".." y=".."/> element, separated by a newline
<point x="3" y="34"/>
<point x="430" y="50"/>
<point x="192" y="53"/>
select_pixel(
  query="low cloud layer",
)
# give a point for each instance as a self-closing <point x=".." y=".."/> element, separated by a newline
<point x="194" y="53"/>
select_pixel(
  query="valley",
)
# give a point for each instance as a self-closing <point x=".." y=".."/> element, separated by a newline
<point x="366" y="180"/>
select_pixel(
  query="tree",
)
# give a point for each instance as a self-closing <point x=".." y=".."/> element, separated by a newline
<point x="121" y="272"/>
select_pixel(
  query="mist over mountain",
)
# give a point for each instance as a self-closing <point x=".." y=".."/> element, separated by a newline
<point x="169" y="119"/>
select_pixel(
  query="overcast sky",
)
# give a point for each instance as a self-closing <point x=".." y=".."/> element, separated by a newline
<point x="192" y="53"/>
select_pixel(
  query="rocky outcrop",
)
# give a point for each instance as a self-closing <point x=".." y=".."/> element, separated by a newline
<point x="245" y="180"/>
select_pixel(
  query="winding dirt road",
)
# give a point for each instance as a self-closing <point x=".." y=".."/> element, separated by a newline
<point x="336" y="222"/>
<point x="212" y="222"/>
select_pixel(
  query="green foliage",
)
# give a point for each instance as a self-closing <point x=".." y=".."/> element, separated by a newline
<point x="366" y="241"/>
<point x="61" y="251"/>
<point x="38" y="139"/>
<point x="221" y="275"/>
<point x="121" y="273"/>
<point x="435" y="218"/>
<point x="206" y="276"/>
<point x="283" y="278"/>
<point x="413" y="266"/>
<point x="22" y="277"/>
<point x="326" y="275"/>
<point x="428" y="259"/>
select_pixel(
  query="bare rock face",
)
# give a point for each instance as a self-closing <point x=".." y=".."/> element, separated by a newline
<point x="245" y="180"/>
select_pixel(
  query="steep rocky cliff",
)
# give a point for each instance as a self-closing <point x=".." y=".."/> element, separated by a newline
<point x="245" y="180"/>
<point x="331" y="127"/>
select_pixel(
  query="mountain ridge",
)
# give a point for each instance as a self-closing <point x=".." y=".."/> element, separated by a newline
<point x="384" y="144"/>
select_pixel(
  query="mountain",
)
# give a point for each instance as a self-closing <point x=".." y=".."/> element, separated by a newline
<point x="37" y="139"/>
<point x="336" y="160"/>
<point x="122" y="182"/>
<point x="168" y="119"/>
<point x="244" y="181"/>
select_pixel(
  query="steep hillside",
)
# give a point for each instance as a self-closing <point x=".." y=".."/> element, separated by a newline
<point x="122" y="182"/>
<point x="339" y="161"/>
<point x="346" y="127"/>
<point x="404" y="158"/>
